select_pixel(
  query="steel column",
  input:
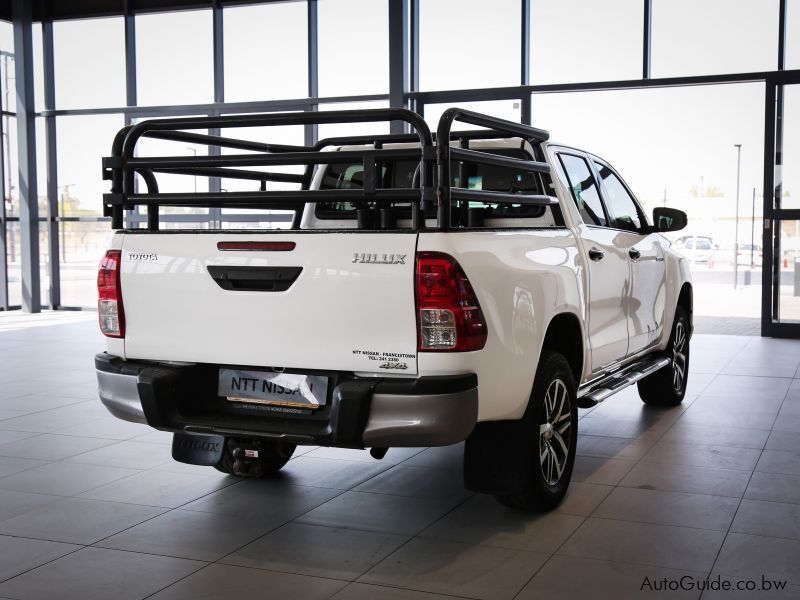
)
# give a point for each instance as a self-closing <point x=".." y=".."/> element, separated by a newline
<point x="55" y="229"/>
<point x="215" y="183"/>
<point x="26" y="149"/>
<point x="398" y="59"/>
<point x="525" y="44"/>
<point x="647" y="39"/>
<point x="312" y="130"/>
<point x="3" y="223"/>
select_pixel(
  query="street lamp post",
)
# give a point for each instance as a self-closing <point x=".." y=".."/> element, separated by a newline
<point x="736" y="233"/>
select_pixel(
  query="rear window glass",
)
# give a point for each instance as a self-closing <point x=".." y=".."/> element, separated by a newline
<point x="404" y="174"/>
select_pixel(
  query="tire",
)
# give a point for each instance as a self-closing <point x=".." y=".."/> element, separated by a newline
<point x="272" y="456"/>
<point x="553" y="429"/>
<point x="667" y="386"/>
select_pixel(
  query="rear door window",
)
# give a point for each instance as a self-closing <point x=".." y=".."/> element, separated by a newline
<point x="622" y="208"/>
<point x="584" y="189"/>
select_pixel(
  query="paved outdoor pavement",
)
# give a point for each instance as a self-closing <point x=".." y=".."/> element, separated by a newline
<point x="92" y="507"/>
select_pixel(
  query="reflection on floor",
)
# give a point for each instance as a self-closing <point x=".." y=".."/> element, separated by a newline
<point x="92" y="507"/>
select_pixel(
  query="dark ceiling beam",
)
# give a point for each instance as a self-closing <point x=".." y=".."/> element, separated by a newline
<point x="60" y="10"/>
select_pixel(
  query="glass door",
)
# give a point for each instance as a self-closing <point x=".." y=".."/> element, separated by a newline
<point x="780" y="311"/>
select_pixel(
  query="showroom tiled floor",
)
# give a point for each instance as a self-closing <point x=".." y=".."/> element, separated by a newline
<point x="92" y="507"/>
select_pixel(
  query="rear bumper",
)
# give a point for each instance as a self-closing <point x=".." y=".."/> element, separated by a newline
<point x="361" y="412"/>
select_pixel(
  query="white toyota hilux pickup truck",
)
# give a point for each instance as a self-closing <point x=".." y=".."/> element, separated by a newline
<point x="423" y="290"/>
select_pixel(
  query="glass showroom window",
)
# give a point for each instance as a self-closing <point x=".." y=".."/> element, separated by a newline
<point x="505" y="109"/>
<point x="342" y="129"/>
<point x="489" y="59"/>
<point x="793" y="34"/>
<point x="88" y="52"/>
<point x="174" y="58"/>
<point x="714" y="36"/>
<point x="686" y="155"/>
<point x="353" y="47"/>
<point x="575" y="40"/>
<point x="266" y="52"/>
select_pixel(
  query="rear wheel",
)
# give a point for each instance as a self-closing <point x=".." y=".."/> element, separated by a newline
<point x="254" y="457"/>
<point x="667" y="386"/>
<point x="553" y="431"/>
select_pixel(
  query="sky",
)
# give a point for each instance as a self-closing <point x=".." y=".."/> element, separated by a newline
<point x="660" y="139"/>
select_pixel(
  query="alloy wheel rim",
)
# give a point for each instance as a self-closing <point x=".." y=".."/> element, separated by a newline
<point x="679" y="357"/>
<point x="555" y="432"/>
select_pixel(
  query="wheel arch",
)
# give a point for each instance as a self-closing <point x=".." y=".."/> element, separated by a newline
<point x="564" y="334"/>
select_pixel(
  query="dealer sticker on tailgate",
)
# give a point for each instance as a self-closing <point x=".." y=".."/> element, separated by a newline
<point x="259" y="387"/>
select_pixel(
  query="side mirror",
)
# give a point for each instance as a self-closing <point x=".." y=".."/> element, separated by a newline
<point x="668" y="219"/>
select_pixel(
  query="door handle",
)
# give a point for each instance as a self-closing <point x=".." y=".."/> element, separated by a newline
<point x="634" y="254"/>
<point x="595" y="253"/>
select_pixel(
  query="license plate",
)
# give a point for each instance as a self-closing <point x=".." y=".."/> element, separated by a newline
<point x="285" y="389"/>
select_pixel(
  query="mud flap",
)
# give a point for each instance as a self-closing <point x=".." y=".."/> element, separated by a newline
<point x="497" y="457"/>
<point x="205" y="450"/>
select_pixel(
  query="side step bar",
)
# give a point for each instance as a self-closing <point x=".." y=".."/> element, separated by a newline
<point x="611" y="384"/>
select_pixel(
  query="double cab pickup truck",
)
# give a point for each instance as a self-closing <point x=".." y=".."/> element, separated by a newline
<point x="475" y="285"/>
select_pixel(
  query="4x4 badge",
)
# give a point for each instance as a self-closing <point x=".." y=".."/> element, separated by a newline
<point x="379" y="259"/>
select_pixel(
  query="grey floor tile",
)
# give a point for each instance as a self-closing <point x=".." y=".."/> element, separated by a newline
<point x="107" y="427"/>
<point x="604" y="471"/>
<point x="379" y="512"/>
<point x="268" y="500"/>
<point x="418" y="481"/>
<point x="51" y="447"/>
<point x="709" y="433"/>
<point x="457" y="569"/>
<point x="669" y="508"/>
<point x="330" y="472"/>
<point x="13" y="436"/>
<point x="483" y="520"/>
<point x="98" y="573"/>
<point x="751" y="556"/>
<point x="9" y="466"/>
<point x="683" y="478"/>
<point x="612" y="447"/>
<point x="153" y="436"/>
<point x="317" y="550"/>
<point x="130" y="455"/>
<point x="159" y="488"/>
<point x="364" y="591"/>
<point x="780" y="461"/>
<point x="701" y="415"/>
<point x="445" y="457"/>
<point x="63" y="479"/>
<point x="624" y="427"/>
<point x="36" y="402"/>
<point x="13" y="503"/>
<point x="572" y="578"/>
<point x="736" y="386"/>
<point x="18" y="555"/>
<point x="774" y="519"/>
<point x="77" y="520"/>
<point x="774" y="487"/>
<point x="223" y="582"/>
<point x="723" y="457"/>
<point x="56" y="418"/>
<point x="644" y="543"/>
<point x="583" y="498"/>
<point x="187" y="534"/>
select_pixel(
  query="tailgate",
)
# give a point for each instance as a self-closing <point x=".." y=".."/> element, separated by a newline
<point x="336" y="301"/>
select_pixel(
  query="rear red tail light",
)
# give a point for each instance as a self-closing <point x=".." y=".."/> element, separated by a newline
<point x="449" y="318"/>
<point x="109" y="296"/>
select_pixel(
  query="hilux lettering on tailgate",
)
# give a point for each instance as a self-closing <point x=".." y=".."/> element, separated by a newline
<point x="379" y="259"/>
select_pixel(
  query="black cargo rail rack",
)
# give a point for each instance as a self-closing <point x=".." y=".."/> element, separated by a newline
<point x="432" y="186"/>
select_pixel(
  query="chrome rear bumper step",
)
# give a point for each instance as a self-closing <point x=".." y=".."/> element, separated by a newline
<point x="610" y="385"/>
